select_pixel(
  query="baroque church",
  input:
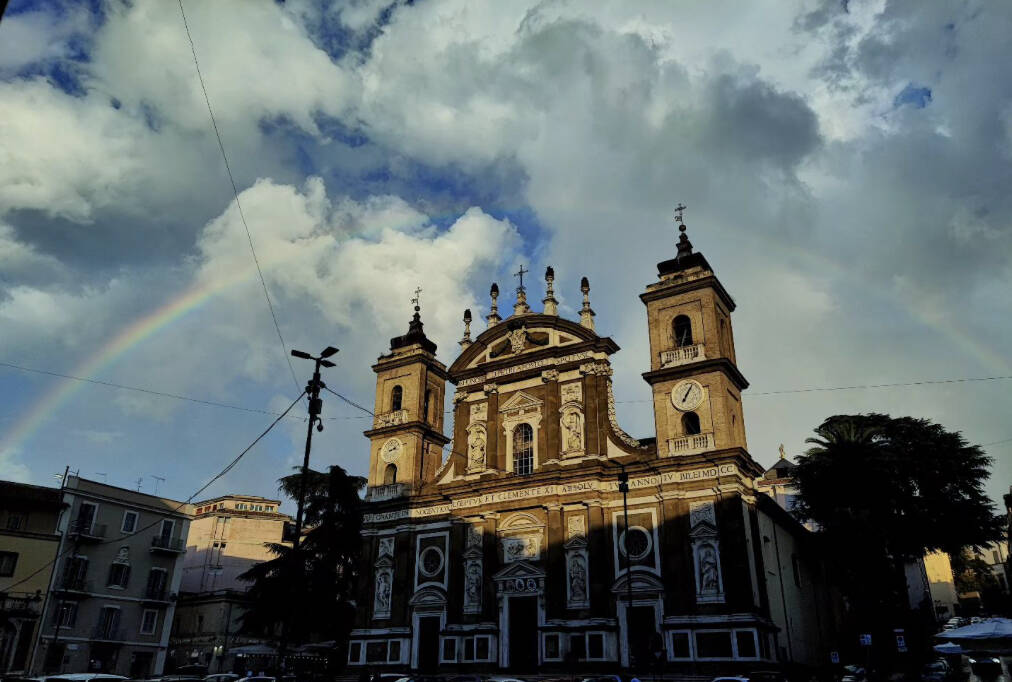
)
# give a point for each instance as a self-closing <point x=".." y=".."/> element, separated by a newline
<point x="541" y="536"/>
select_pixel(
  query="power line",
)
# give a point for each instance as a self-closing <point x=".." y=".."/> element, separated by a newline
<point x="161" y="394"/>
<point x="235" y="192"/>
<point x="352" y="403"/>
<point x="204" y="487"/>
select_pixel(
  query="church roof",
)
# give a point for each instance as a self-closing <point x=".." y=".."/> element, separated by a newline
<point x="415" y="334"/>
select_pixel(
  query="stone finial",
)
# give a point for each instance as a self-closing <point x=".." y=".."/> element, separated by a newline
<point x="586" y="314"/>
<point x="521" y="307"/>
<point x="466" y="341"/>
<point x="493" y="315"/>
<point x="551" y="305"/>
<point x="684" y="245"/>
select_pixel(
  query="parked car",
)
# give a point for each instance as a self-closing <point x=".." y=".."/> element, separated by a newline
<point x="985" y="665"/>
<point x="80" y="677"/>
<point x="258" y="679"/>
<point x="936" y="671"/>
<point x="854" y="673"/>
<point x="222" y="677"/>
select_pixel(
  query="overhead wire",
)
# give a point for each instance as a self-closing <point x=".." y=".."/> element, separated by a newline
<point x="231" y="465"/>
<point x="235" y="193"/>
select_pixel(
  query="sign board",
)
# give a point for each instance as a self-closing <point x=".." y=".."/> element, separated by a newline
<point x="834" y="657"/>
<point x="865" y="640"/>
<point x="901" y="643"/>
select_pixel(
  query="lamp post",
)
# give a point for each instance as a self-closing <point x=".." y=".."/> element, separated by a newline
<point x="315" y="408"/>
<point x="623" y="486"/>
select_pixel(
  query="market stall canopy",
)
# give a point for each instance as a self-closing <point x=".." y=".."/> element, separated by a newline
<point x="991" y="629"/>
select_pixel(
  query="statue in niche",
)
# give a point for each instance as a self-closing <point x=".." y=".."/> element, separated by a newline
<point x="476" y="449"/>
<point x="572" y="424"/>
<point x="709" y="582"/>
<point x="383" y="592"/>
<point x="472" y="584"/>
<point x="577" y="579"/>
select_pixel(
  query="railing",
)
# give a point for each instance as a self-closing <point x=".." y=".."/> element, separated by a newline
<point x="156" y="594"/>
<point x="87" y="528"/>
<point x="73" y="583"/>
<point x="390" y="419"/>
<point x="106" y="632"/>
<point x="688" y="445"/>
<point x="379" y="493"/>
<point x="22" y="604"/>
<point x="167" y="544"/>
<point x="683" y="355"/>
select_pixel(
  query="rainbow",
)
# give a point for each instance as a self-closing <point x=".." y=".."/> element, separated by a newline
<point x="127" y="338"/>
<point x="194" y="297"/>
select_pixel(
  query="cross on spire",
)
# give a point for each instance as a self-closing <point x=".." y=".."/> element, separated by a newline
<point x="521" y="274"/>
<point x="678" y="214"/>
<point x="415" y="300"/>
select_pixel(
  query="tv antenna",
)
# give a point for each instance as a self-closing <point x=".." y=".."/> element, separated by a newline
<point x="158" y="479"/>
<point x="139" y="481"/>
<point x="105" y="477"/>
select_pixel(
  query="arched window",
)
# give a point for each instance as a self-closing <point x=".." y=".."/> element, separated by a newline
<point x="523" y="449"/>
<point x="396" y="397"/>
<point x="690" y="423"/>
<point x="428" y="401"/>
<point x="682" y="328"/>
<point x="390" y="474"/>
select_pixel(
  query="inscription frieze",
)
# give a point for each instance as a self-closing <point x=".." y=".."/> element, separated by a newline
<point x="552" y="490"/>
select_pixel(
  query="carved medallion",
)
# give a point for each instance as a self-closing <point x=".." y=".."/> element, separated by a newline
<point x="700" y="512"/>
<point x="479" y="412"/>
<point x="572" y="392"/>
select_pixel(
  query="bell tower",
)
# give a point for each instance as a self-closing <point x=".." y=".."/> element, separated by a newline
<point x="695" y="380"/>
<point x="407" y="435"/>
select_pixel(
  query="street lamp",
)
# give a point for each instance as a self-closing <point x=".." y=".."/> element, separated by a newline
<point x="623" y="486"/>
<point x="315" y="408"/>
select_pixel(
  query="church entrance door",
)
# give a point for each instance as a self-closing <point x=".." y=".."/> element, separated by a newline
<point x="428" y="644"/>
<point x="523" y="631"/>
<point x="642" y="633"/>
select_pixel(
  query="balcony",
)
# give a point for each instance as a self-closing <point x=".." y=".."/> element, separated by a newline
<point x="107" y="633"/>
<point x="682" y="356"/>
<point x="87" y="529"/>
<point x="157" y="595"/>
<point x="20" y="605"/>
<point x="73" y="583"/>
<point x="390" y="419"/>
<point x="379" y="493"/>
<point x="690" y="445"/>
<point x="161" y="543"/>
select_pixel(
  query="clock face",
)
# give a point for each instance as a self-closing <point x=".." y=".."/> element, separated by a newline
<point x="687" y="395"/>
<point x="392" y="450"/>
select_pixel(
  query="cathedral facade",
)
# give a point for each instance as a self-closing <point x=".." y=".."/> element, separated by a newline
<point x="541" y="535"/>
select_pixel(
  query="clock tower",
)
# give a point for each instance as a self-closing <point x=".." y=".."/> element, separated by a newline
<point x="406" y="439"/>
<point x="695" y="380"/>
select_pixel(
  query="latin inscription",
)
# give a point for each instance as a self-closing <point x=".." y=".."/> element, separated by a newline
<point x="547" y="362"/>
<point x="551" y="490"/>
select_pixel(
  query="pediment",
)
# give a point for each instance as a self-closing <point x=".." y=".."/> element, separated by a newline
<point x="520" y="401"/>
<point x="384" y="562"/>
<point x="516" y="336"/>
<point x="641" y="582"/>
<point x="703" y="530"/>
<point x="428" y="596"/>
<point x="519" y="569"/>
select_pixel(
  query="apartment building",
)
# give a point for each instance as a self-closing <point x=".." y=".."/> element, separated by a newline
<point x="113" y="589"/>
<point x="228" y="536"/>
<point x="29" y="516"/>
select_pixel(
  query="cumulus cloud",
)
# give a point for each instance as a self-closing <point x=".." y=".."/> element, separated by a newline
<point x="864" y="232"/>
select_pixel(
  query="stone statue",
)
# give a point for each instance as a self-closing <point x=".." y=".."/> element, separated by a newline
<point x="572" y="423"/>
<point x="709" y="581"/>
<point x="383" y="592"/>
<point x="577" y="579"/>
<point x="476" y="449"/>
<point x="472" y="585"/>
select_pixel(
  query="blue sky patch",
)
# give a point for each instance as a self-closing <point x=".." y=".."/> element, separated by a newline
<point x="916" y="95"/>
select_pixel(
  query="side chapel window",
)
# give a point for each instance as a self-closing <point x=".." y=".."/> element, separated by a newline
<point x="682" y="328"/>
<point x="523" y="449"/>
<point x="396" y="397"/>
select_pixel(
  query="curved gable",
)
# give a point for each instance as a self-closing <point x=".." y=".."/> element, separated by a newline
<point x="517" y="336"/>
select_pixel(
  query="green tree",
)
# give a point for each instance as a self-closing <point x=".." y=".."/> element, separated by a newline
<point x="884" y="491"/>
<point x="318" y="600"/>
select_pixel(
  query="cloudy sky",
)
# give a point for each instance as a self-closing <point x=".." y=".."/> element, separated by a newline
<point x="846" y="166"/>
